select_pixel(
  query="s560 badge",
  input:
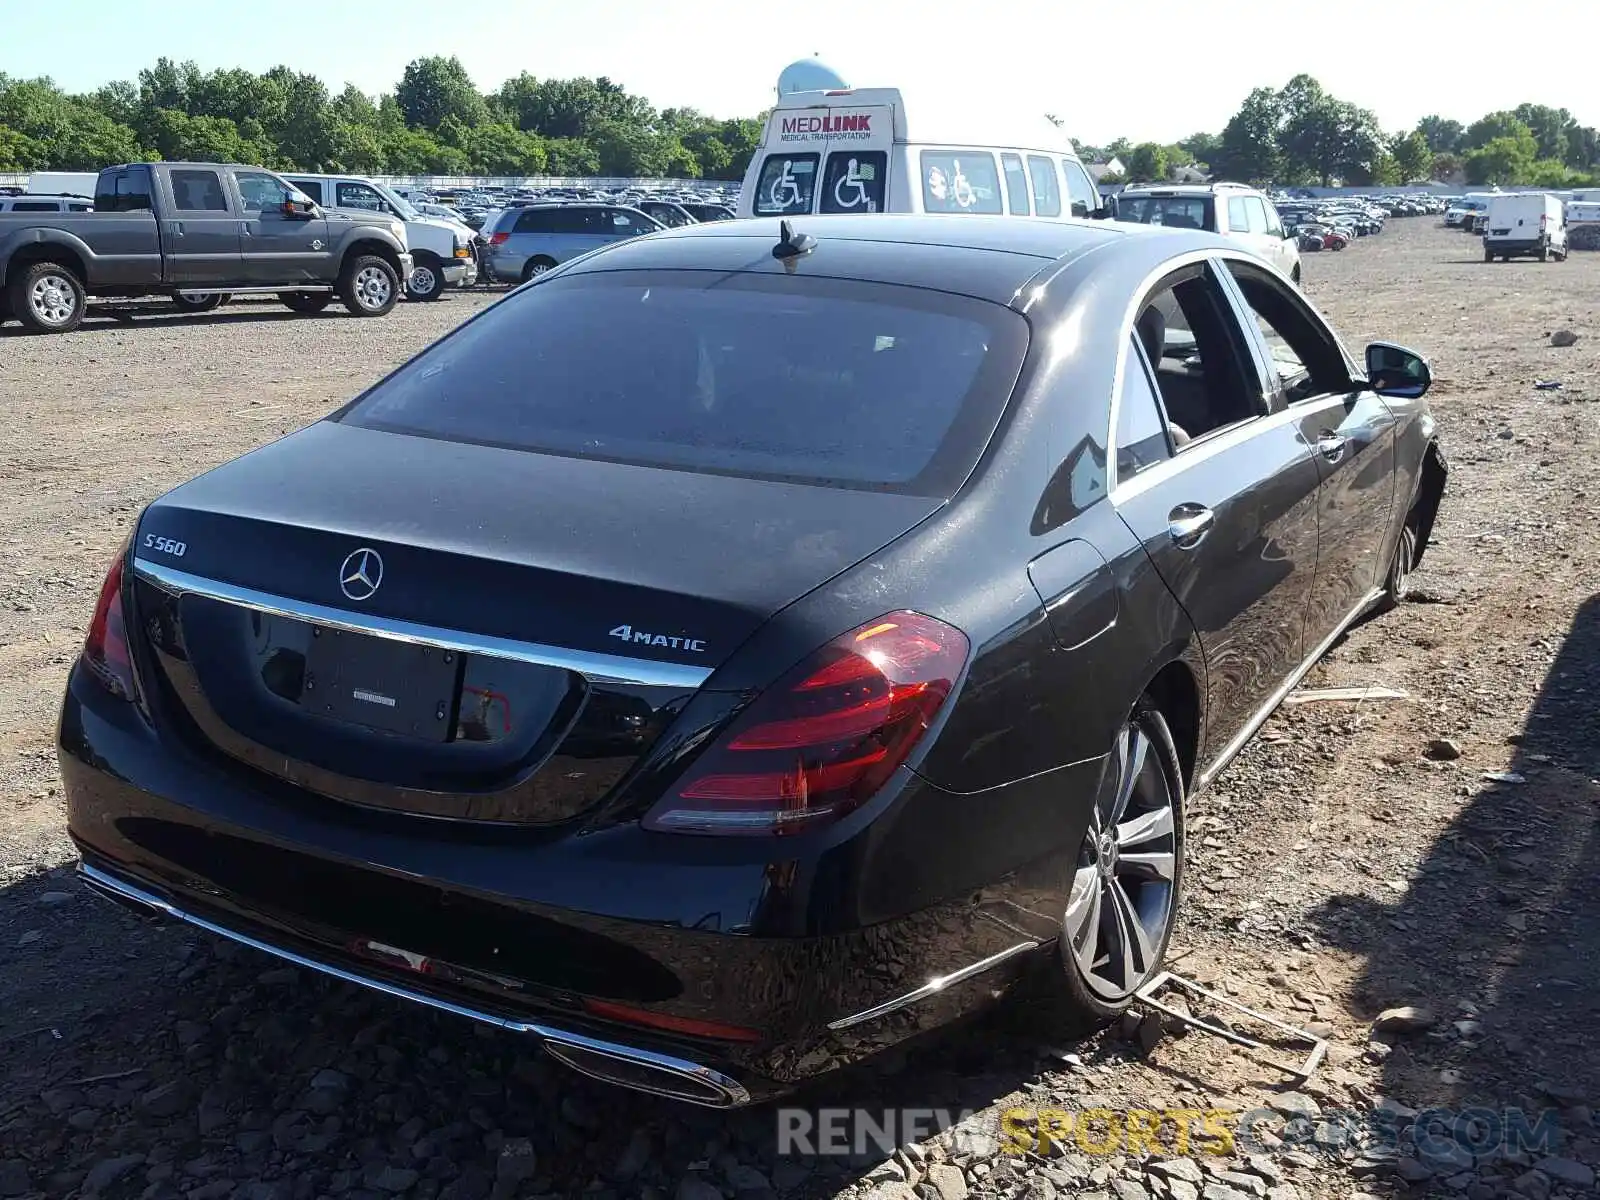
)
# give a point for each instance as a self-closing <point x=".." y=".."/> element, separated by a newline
<point x="163" y="545"/>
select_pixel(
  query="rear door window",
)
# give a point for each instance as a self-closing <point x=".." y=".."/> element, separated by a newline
<point x="1016" y="185"/>
<point x="1046" y="187"/>
<point x="540" y="220"/>
<point x="960" y="181"/>
<point x="198" y="191"/>
<point x="854" y="181"/>
<point x="1174" y="212"/>
<point x="835" y="382"/>
<point x="787" y="185"/>
<point x="127" y="190"/>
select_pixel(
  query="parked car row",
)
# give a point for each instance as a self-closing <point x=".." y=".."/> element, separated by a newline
<point x="197" y="233"/>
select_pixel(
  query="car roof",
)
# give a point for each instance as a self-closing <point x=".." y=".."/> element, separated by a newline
<point x="988" y="257"/>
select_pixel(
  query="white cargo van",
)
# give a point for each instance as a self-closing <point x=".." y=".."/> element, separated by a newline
<point x="1532" y="223"/>
<point x="867" y="150"/>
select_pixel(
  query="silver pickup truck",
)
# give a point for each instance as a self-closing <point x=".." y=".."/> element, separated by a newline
<point x="197" y="232"/>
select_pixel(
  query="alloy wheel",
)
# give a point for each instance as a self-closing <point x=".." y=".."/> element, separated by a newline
<point x="1121" y="903"/>
<point x="372" y="288"/>
<point x="53" y="299"/>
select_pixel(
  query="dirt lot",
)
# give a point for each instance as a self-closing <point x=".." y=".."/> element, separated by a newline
<point x="1341" y="867"/>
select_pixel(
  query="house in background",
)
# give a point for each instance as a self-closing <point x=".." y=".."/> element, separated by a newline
<point x="1099" y="170"/>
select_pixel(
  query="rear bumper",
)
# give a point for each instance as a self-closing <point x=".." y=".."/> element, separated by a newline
<point x="547" y="934"/>
<point x="1502" y="245"/>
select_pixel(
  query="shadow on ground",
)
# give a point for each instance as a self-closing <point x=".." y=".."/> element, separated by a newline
<point x="1499" y="932"/>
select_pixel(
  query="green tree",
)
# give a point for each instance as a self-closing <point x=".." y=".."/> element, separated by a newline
<point x="434" y="88"/>
<point x="1248" y="149"/>
<point x="1443" y="136"/>
<point x="1448" y="168"/>
<point x="1505" y="159"/>
<point x="1548" y="125"/>
<point x="1491" y="126"/>
<point x="1201" y="146"/>
<point x="19" y="152"/>
<point x="572" y="157"/>
<point x="1412" y="159"/>
<point x="1146" y="162"/>
<point x="1583" y="147"/>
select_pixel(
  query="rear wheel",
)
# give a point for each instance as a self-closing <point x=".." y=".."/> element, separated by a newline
<point x="1126" y="882"/>
<point x="1544" y="253"/>
<point x="536" y="267"/>
<point x="47" y="298"/>
<point x="1488" y="254"/>
<point x="306" y="302"/>
<point x="369" y="286"/>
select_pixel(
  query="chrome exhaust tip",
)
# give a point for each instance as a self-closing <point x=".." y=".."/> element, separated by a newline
<point x="640" y="1071"/>
<point x="612" y="1062"/>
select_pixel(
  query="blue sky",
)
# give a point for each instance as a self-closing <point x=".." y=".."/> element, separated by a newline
<point x="1146" y="71"/>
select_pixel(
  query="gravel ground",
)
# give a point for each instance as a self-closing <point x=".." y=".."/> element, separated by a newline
<point x="1439" y="851"/>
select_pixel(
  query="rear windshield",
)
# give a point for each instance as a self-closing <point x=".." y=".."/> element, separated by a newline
<point x="1175" y="212"/>
<point x="820" y="381"/>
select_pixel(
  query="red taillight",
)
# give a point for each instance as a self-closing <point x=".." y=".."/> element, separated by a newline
<point x="826" y="737"/>
<point x="498" y="239"/>
<point x="612" y="1011"/>
<point x="105" y="649"/>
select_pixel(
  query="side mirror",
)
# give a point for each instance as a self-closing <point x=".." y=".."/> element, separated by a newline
<point x="1395" y="371"/>
<point x="299" y="207"/>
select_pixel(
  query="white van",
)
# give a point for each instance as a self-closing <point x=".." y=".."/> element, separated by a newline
<point x="1525" y="223"/>
<point x="856" y="150"/>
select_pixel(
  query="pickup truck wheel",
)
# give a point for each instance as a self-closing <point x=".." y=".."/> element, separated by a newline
<point x="369" y="286"/>
<point x="427" y="279"/>
<point x="197" y="302"/>
<point x="306" y="302"/>
<point x="47" y="298"/>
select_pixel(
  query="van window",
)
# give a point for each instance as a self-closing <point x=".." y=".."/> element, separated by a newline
<point x="787" y="184"/>
<point x="542" y="220"/>
<point x="1081" y="189"/>
<point x="359" y="195"/>
<point x="854" y="181"/>
<point x="311" y="187"/>
<point x="1016" y="185"/>
<point x="1046" y="187"/>
<point x="960" y="181"/>
<point x="35" y="206"/>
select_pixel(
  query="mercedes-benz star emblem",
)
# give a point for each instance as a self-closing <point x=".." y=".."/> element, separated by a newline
<point x="361" y="574"/>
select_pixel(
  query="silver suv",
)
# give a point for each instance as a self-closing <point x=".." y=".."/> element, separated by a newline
<point x="46" y="204"/>
<point x="1234" y="210"/>
<point x="530" y="239"/>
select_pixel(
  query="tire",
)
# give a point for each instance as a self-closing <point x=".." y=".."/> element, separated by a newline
<point x="369" y="286"/>
<point x="1076" y="995"/>
<point x="1544" y="253"/>
<point x="1295" y="275"/>
<point x="197" y="304"/>
<point x="537" y="267"/>
<point x="1488" y="255"/>
<point x="47" y="298"/>
<point x="1397" y="583"/>
<point x="427" y="279"/>
<point x="306" y="302"/>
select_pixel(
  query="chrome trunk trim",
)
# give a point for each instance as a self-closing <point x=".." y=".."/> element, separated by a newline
<point x="599" y="668"/>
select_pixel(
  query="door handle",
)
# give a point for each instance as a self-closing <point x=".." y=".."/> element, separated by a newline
<point x="1188" y="524"/>
<point x="1331" y="446"/>
<point x="175" y="228"/>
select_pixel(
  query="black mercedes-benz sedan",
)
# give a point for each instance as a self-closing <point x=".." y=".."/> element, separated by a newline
<point x="744" y="648"/>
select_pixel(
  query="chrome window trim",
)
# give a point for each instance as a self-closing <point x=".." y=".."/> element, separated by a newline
<point x="598" y="668"/>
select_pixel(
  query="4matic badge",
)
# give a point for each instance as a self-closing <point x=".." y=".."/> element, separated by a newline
<point x="629" y="634"/>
